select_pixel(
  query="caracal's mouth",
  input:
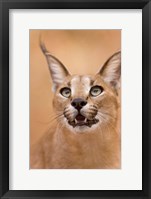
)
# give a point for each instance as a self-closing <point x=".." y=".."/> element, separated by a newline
<point x="80" y="120"/>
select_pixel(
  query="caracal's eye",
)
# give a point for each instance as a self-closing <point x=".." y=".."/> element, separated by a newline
<point x="66" y="92"/>
<point x="96" y="90"/>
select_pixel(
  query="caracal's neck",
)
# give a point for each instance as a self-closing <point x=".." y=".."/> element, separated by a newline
<point x="98" y="136"/>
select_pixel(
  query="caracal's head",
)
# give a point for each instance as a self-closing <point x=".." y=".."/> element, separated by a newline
<point x="85" y="102"/>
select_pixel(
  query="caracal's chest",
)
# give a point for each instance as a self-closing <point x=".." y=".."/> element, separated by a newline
<point x="87" y="152"/>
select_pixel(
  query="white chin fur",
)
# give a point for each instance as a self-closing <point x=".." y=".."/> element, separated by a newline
<point x="82" y="129"/>
<point x="79" y="129"/>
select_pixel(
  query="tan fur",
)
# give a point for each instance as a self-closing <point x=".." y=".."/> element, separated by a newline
<point x="95" y="147"/>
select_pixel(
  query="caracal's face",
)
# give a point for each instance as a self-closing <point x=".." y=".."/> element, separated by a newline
<point x="83" y="103"/>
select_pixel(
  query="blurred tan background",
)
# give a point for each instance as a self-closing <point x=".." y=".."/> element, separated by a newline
<point x="81" y="51"/>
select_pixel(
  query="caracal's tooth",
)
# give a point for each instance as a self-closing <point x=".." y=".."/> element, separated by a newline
<point x="76" y="121"/>
<point x="85" y="120"/>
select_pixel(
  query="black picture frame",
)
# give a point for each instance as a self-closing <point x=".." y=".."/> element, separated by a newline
<point x="5" y="5"/>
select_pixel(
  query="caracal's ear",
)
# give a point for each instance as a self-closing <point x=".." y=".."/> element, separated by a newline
<point x="57" y="70"/>
<point x="111" y="71"/>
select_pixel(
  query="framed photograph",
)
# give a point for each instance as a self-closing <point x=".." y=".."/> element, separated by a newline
<point x="75" y="99"/>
